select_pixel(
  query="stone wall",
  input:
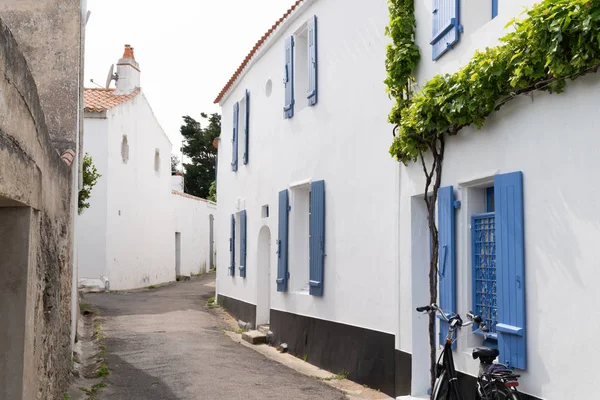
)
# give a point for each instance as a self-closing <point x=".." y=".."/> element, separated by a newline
<point x="49" y="34"/>
<point x="36" y="275"/>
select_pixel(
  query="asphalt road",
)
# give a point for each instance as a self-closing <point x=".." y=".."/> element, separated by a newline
<point x="165" y="344"/>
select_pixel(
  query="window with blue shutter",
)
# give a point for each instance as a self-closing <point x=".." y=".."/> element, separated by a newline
<point x="243" y="244"/>
<point x="494" y="8"/>
<point x="234" y="140"/>
<point x="282" y="241"/>
<point x="446" y="27"/>
<point x="317" y="237"/>
<point x="232" y="247"/>
<point x="446" y="266"/>
<point x="312" y="61"/>
<point x="510" y="259"/>
<point x="247" y="128"/>
<point x="288" y="78"/>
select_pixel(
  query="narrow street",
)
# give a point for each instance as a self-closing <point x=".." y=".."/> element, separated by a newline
<point x="166" y="344"/>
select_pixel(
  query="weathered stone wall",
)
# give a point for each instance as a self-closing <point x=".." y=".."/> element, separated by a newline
<point x="34" y="178"/>
<point x="49" y="35"/>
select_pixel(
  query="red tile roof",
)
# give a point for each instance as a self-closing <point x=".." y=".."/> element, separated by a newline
<point x="98" y="100"/>
<point x="252" y="52"/>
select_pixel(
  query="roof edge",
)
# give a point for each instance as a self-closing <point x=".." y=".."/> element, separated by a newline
<point x="262" y="45"/>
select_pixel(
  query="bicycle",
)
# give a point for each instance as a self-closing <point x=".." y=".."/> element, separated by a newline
<point x="494" y="381"/>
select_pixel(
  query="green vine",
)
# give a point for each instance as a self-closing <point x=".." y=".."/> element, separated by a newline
<point x="402" y="55"/>
<point x="90" y="178"/>
<point x="559" y="41"/>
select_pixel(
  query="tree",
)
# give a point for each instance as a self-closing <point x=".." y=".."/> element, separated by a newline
<point x="198" y="147"/>
<point x="90" y="178"/>
<point x="212" y="192"/>
<point x="174" y="163"/>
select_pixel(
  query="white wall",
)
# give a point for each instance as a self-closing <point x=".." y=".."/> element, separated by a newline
<point x="549" y="139"/>
<point x="192" y="220"/>
<point x="91" y="226"/>
<point x="141" y="246"/>
<point x="343" y="140"/>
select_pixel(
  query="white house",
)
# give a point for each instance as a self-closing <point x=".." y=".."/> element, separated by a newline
<point x="138" y="231"/>
<point x="306" y="192"/>
<point x="328" y="236"/>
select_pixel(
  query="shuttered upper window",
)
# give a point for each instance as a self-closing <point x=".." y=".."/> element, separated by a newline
<point x="446" y="27"/>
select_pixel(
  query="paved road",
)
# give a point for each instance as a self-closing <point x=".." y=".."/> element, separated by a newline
<point x="165" y="344"/>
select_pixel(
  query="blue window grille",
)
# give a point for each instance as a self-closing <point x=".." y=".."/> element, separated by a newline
<point x="485" y="302"/>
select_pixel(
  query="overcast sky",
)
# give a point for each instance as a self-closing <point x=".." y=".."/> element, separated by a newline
<point x="187" y="49"/>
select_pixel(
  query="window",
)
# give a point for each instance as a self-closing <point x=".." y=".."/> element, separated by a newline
<point x="301" y="240"/>
<point x="299" y="237"/>
<point x="446" y="26"/>
<point x="300" y="73"/>
<point x="485" y="298"/>
<point x="157" y="160"/>
<point x="265" y="211"/>
<point x="124" y="150"/>
<point x="238" y="243"/>
<point x="301" y="66"/>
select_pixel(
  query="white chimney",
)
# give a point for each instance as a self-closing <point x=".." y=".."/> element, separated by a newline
<point x="177" y="182"/>
<point x="128" y="71"/>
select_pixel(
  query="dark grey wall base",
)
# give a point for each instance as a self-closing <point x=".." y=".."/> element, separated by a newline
<point x="403" y="366"/>
<point x="367" y="355"/>
<point x="238" y="309"/>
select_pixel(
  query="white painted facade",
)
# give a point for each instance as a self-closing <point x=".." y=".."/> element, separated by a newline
<point x="550" y="138"/>
<point x="340" y="141"/>
<point x="377" y="239"/>
<point x="128" y="235"/>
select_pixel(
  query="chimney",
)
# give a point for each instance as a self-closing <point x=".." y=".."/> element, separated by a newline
<point x="128" y="71"/>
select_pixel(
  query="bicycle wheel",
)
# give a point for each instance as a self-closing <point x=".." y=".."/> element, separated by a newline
<point x="497" y="391"/>
<point x="441" y="389"/>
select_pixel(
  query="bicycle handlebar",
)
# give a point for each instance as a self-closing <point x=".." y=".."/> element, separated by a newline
<point x="473" y="319"/>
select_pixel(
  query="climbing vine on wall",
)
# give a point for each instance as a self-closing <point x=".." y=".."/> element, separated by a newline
<point x="558" y="41"/>
<point x="90" y="178"/>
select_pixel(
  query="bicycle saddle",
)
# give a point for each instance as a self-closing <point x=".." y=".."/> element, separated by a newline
<point x="485" y="353"/>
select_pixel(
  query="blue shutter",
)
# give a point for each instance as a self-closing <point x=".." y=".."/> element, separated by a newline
<point x="282" y="242"/>
<point x="288" y="79"/>
<point x="317" y="237"/>
<point x="232" y="247"/>
<point x="243" y="244"/>
<point x="236" y="119"/>
<point x="510" y="265"/>
<point x="247" y="129"/>
<point x="312" y="61"/>
<point x="494" y="8"/>
<point x="446" y="272"/>
<point x="445" y="26"/>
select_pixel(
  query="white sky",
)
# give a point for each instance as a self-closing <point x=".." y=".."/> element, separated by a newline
<point x="187" y="49"/>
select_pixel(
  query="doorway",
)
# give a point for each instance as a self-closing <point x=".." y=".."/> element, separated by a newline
<point x="263" y="287"/>
<point x="177" y="254"/>
<point x="211" y="242"/>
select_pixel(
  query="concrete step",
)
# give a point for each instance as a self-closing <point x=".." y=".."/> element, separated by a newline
<point x="264" y="328"/>
<point x="254" y="337"/>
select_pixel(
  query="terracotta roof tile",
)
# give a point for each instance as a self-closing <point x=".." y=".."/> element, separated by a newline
<point x="99" y="100"/>
<point x="252" y="52"/>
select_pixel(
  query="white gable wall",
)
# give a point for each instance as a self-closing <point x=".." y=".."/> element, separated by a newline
<point x="141" y="249"/>
<point x="343" y="140"/>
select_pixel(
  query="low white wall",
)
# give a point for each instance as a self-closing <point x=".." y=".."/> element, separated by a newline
<point x="192" y="220"/>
